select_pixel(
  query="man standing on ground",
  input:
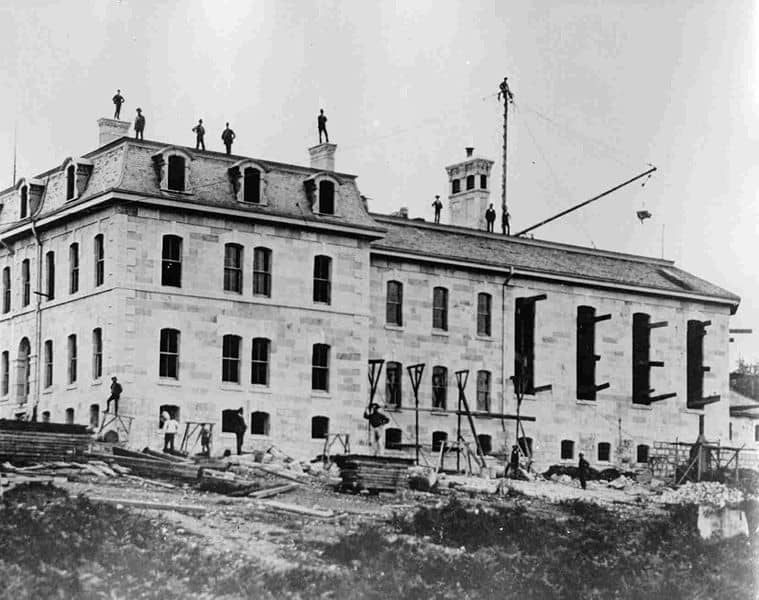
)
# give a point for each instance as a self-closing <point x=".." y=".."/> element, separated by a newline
<point x="514" y="462"/>
<point x="377" y="421"/>
<point x="200" y="133"/>
<point x="170" y="430"/>
<point x="118" y="100"/>
<point x="115" y="395"/>
<point x="490" y="217"/>
<point x="582" y="470"/>
<point x="240" y="427"/>
<point x="437" y="205"/>
<point x="139" y="125"/>
<point x="228" y="136"/>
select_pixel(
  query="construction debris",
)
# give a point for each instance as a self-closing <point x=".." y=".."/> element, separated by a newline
<point x="26" y="442"/>
<point x="188" y="508"/>
<point x="372" y="473"/>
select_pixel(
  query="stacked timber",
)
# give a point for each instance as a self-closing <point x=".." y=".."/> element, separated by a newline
<point x="148" y="466"/>
<point x="373" y="473"/>
<point x="23" y="442"/>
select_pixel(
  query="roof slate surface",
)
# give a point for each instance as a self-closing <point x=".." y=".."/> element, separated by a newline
<point x="493" y="250"/>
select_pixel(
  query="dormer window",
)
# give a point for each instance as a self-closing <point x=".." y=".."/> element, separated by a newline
<point x="252" y="185"/>
<point x="248" y="181"/>
<point x="326" y="197"/>
<point x="70" y="182"/>
<point x="77" y="173"/>
<point x="176" y="173"/>
<point x="24" y="204"/>
<point x="323" y="193"/>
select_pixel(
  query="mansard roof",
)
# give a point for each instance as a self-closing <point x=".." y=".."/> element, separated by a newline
<point x="538" y="258"/>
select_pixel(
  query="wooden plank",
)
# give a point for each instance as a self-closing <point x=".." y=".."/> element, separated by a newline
<point x="300" y="510"/>
<point x="187" y="508"/>
<point x="273" y="491"/>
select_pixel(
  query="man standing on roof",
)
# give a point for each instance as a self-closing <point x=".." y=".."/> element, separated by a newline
<point x="200" y="133"/>
<point x="505" y="222"/>
<point x="490" y="218"/>
<point x="139" y="125"/>
<point x="118" y="100"/>
<point x="228" y="136"/>
<point x="437" y="204"/>
<point x="321" y="122"/>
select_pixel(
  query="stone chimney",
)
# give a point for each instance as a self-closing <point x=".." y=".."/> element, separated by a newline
<point x="111" y="129"/>
<point x="323" y="157"/>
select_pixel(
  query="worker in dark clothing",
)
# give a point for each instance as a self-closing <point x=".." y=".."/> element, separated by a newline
<point x="321" y="122"/>
<point x="505" y="222"/>
<point x="118" y="100"/>
<point x="205" y="440"/>
<point x="437" y="205"/>
<point x="200" y="133"/>
<point x="490" y="218"/>
<point x="240" y="427"/>
<point x="582" y="470"/>
<point x="139" y="125"/>
<point x="514" y="462"/>
<point x="376" y="421"/>
<point x="228" y="136"/>
<point x="115" y="395"/>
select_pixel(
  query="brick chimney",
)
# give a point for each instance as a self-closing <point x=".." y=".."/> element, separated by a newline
<point x="111" y="129"/>
<point x="323" y="157"/>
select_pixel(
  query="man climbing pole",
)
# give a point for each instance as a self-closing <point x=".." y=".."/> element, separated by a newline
<point x="377" y="421"/>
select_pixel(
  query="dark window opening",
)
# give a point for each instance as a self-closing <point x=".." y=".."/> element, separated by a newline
<point x="322" y="279"/>
<point x="455" y="186"/>
<point x="5" y="373"/>
<point x="319" y="428"/>
<point x="393" y="380"/>
<point x="642" y="453"/>
<point x="483" y="391"/>
<point x="171" y="261"/>
<point x="73" y="268"/>
<point x="94" y="415"/>
<point x="695" y="363"/>
<point x="172" y="410"/>
<point x="26" y="283"/>
<point x="438" y="438"/>
<point x="259" y="369"/>
<point x="24" y="208"/>
<point x="470" y="182"/>
<point x="641" y="351"/>
<point x="233" y="268"/>
<point x="46" y="416"/>
<point x="262" y="272"/>
<point x="439" y="387"/>
<point x="483" y="182"/>
<point x="230" y="358"/>
<point x="729" y="431"/>
<point x="524" y="345"/>
<point x="50" y="264"/>
<point x="72" y="358"/>
<point x="229" y="420"/>
<point x="97" y="353"/>
<point x="394" y="303"/>
<point x="70" y="182"/>
<point x="525" y="445"/>
<point x="168" y="362"/>
<point x="259" y="423"/>
<point x="252" y="186"/>
<point x="23" y="371"/>
<point x="99" y="259"/>
<point x="567" y="449"/>
<point x="6" y="289"/>
<point x="586" y="353"/>
<point x="440" y="308"/>
<point x="604" y="451"/>
<point x="320" y="367"/>
<point x="326" y="197"/>
<point x="483" y="314"/>
<point x="756" y="431"/>
<point x="486" y="443"/>
<point x="69" y="416"/>
<point x="176" y="173"/>
<point x="48" y="375"/>
<point x="393" y="439"/>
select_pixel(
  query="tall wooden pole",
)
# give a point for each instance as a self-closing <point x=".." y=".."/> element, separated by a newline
<point x="507" y="96"/>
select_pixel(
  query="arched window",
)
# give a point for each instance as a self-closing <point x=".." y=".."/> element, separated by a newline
<point x="171" y="261"/>
<point x="70" y="182"/>
<point x="171" y="409"/>
<point x="438" y="437"/>
<point x="642" y="452"/>
<point x="440" y="308"/>
<point x="168" y="361"/>
<point x="69" y="416"/>
<point x="48" y="380"/>
<point x="319" y="428"/>
<point x="4" y="373"/>
<point x="259" y="368"/>
<point x="756" y="429"/>
<point x="73" y="268"/>
<point x="470" y="182"/>
<point x="94" y="415"/>
<point x="259" y="423"/>
<point x="233" y="268"/>
<point x="262" y="272"/>
<point x="6" y="289"/>
<point x="483" y="391"/>
<point x="176" y="176"/>
<point x="320" y="367"/>
<point x="604" y="451"/>
<point x="97" y="353"/>
<point x="26" y="283"/>
<point x="483" y="314"/>
<point x="393" y="379"/>
<point x="72" y="348"/>
<point x="394" y="303"/>
<point x="326" y="197"/>
<point x="24" y="204"/>
<point x="392" y="438"/>
<point x="23" y="371"/>
<point x="99" y="259"/>
<point x="322" y="279"/>
<point x="252" y="185"/>
<point x="50" y="264"/>
<point x="486" y="443"/>
<point x="439" y="387"/>
<point x="567" y="449"/>
<point x="46" y="416"/>
<point x="230" y="358"/>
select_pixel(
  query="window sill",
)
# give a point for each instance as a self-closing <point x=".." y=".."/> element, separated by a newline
<point x="262" y="204"/>
<point x="484" y="338"/>
<point x="259" y="388"/>
<point x="440" y="332"/>
<point x="440" y="412"/>
<point x="96" y="382"/>
<point x="262" y="296"/>
<point x="642" y="407"/>
<point x="182" y="192"/>
<point x="72" y="386"/>
<point x="323" y="302"/>
<point x="586" y="402"/>
<point x="391" y="327"/>
<point x="48" y="390"/>
<point x="229" y="292"/>
<point x="230" y="386"/>
<point x="320" y="394"/>
<point x="169" y="382"/>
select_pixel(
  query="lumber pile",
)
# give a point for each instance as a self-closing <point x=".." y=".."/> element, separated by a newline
<point x="373" y="473"/>
<point x="23" y="442"/>
<point x="150" y="467"/>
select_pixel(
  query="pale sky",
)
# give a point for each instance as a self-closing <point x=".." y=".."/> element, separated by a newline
<point x="602" y="88"/>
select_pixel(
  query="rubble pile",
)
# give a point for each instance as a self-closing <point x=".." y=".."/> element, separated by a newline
<point x="708" y="493"/>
